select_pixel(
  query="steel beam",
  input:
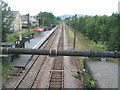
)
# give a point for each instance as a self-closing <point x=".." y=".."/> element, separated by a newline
<point x="56" y="52"/>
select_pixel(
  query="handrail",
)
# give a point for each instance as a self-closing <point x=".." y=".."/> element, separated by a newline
<point x="54" y="52"/>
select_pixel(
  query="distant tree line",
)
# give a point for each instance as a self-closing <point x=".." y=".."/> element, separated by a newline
<point x="104" y="29"/>
<point x="46" y="19"/>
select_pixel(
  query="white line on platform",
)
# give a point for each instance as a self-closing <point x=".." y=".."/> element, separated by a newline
<point x="41" y="41"/>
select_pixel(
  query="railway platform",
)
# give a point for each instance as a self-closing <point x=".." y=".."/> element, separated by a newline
<point x="22" y="60"/>
<point x="44" y="71"/>
<point x="104" y="72"/>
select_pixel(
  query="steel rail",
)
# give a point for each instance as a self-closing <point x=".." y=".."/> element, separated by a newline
<point x="54" y="52"/>
<point x="30" y="84"/>
<point x="45" y="45"/>
<point x="56" y="78"/>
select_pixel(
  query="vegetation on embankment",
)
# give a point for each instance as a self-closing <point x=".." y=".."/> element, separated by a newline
<point x="14" y="36"/>
<point x="5" y="68"/>
<point x="100" y="29"/>
<point x="84" y="43"/>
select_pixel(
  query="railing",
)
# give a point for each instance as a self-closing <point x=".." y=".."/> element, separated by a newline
<point x="56" y="52"/>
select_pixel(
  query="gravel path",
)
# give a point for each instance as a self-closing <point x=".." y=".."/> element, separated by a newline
<point x="69" y="64"/>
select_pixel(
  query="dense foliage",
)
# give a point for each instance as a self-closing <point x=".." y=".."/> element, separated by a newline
<point x="14" y="36"/>
<point x="6" y="20"/>
<point x="46" y="19"/>
<point x="101" y="29"/>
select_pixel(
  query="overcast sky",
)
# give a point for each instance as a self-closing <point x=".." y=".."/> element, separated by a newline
<point x="61" y="7"/>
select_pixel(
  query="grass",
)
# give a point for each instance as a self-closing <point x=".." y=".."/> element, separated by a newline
<point x="83" y="43"/>
<point x="5" y="68"/>
<point x="115" y="60"/>
<point x="14" y="36"/>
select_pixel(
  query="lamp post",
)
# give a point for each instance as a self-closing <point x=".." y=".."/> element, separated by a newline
<point x="39" y="22"/>
<point x="51" y="23"/>
<point x="28" y="27"/>
<point x="69" y="24"/>
<point x="43" y="21"/>
<point x="74" y="32"/>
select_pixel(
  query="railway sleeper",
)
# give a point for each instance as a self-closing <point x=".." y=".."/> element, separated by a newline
<point x="56" y="83"/>
<point x="56" y="80"/>
<point x="56" y="77"/>
<point x="55" y="86"/>
<point x="56" y="73"/>
<point x="58" y="65"/>
<point x="58" y="68"/>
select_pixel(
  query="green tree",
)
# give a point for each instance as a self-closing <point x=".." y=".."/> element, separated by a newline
<point x="46" y="19"/>
<point x="6" y="20"/>
<point x="114" y="41"/>
<point x="101" y="29"/>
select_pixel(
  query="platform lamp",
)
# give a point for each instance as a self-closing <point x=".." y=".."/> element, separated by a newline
<point x="28" y="20"/>
<point x="43" y="21"/>
<point x="40" y="20"/>
<point x="69" y="20"/>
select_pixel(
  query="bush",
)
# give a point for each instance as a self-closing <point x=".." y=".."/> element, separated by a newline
<point x="12" y="37"/>
<point x="6" y="68"/>
<point x="98" y="47"/>
<point x="15" y="36"/>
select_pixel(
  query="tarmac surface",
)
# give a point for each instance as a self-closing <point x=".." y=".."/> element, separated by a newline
<point x="34" y="44"/>
<point x="105" y="72"/>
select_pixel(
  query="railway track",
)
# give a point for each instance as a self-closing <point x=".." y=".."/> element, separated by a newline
<point x="28" y="77"/>
<point x="57" y="77"/>
<point x="42" y="71"/>
<point x="31" y="75"/>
